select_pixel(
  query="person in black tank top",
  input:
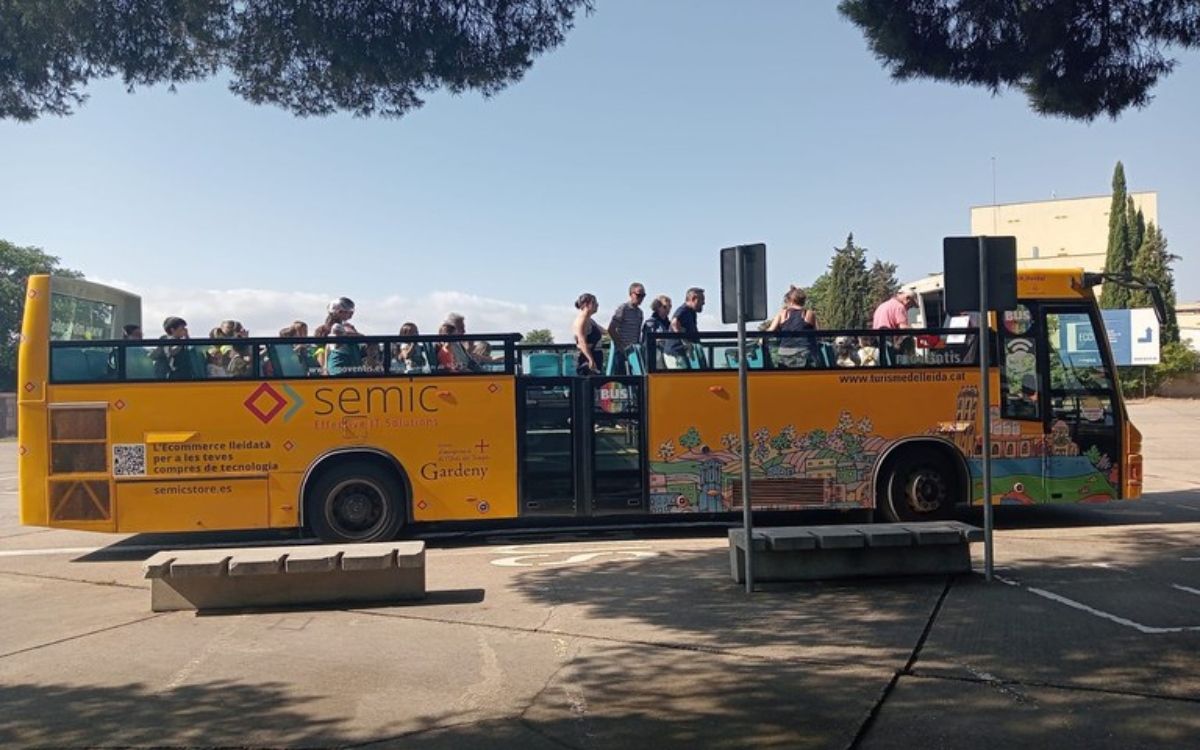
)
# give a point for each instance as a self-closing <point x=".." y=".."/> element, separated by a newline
<point x="800" y="351"/>
<point x="590" y="360"/>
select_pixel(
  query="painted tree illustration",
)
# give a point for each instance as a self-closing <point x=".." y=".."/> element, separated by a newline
<point x="691" y="439"/>
<point x="1093" y="455"/>
<point x="852" y="445"/>
<point x="731" y="442"/>
<point x="666" y="451"/>
<point x="817" y="439"/>
<point x="782" y="442"/>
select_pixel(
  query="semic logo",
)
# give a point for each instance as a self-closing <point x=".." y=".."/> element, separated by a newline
<point x="265" y="402"/>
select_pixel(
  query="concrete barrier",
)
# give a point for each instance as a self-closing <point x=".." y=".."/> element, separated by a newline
<point x="278" y="576"/>
<point x="807" y="553"/>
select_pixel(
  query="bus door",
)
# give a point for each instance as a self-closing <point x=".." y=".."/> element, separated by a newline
<point x="1084" y="459"/>
<point x="581" y="445"/>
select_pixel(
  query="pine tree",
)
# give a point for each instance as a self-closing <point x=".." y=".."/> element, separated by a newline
<point x="849" y="287"/>
<point x="882" y="285"/>
<point x="1119" y="260"/>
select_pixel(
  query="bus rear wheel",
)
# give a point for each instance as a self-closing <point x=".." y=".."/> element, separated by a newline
<point x="920" y="486"/>
<point x="358" y="501"/>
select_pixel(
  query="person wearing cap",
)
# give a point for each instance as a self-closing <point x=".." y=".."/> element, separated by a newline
<point x="893" y="313"/>
<point x="173" y="362"/>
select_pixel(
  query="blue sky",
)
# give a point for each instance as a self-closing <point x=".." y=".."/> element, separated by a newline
<point x="658" y="133"/>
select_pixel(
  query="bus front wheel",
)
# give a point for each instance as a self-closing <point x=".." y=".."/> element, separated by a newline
<point x="358" y="501"/>
<point x="920" y="486"/>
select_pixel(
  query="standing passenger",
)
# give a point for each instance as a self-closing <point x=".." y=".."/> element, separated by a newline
<point x="173" y="361"/>
<point x="626" y="326"/>
<point x="793" y="318"/>
<point x="587" y="336"/>
<point x="893" y="313"/>
<point x="676" y="351"/>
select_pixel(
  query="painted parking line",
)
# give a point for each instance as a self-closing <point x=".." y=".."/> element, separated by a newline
<point x="1188" y="589"/>
<point x="141" y="548"/>
<point x="1080" y="606"/>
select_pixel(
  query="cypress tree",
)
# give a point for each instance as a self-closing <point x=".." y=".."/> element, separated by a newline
<point x="849" y="284"/>
<point x="1119" y="260"/>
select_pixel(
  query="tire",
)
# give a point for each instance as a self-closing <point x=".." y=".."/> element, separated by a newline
<point x="357" y="501"/>
<point x="920" y="486"/>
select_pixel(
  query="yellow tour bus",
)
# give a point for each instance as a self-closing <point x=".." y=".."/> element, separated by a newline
<point x="141" y="436"/>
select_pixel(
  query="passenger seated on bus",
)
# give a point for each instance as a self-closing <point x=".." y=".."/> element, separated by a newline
<point x="906" y="351"/>
<point x="447" y="357"/>
<point x="131" y="332"/>
<point x="410" y="355"/>
<point x="216" y="357"/>
<point x="240" y="357"/>
<point x="481" y="352"/>
<point x="845" y="351"/>
<point x="304" y="352"/>
<point x="172" y="361"/>
<point x="320" y="332"/>
<point x="868" y="352"/>
<point x="462" y="355"/>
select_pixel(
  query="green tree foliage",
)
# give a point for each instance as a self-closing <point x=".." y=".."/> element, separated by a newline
<point x="849" y="288"/>
<point x="1176" y="360"/>
<point x="17" y="264"/>
<point x="818" y="297"/>
<point x="538" y="336"/>
<point x="881" y="286"/>
<point x="1119" y="259"/>
<point x="311" y="57"/>
<point x="1072" y="58"/>
<point x="1153" y="264"/>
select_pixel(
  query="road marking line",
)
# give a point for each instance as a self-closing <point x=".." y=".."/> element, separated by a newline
<point x="47" y="552"/>
<point x="1188" y="589"/>
<point x="1190" y="559"/>
<point x="140" y="548"/>
<point x="1147" y="629"/>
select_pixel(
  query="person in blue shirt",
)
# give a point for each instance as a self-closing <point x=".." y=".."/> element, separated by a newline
<point x="684" y="321"/>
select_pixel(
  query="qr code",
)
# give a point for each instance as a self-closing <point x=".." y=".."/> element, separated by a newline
<point x="129" y="460"/>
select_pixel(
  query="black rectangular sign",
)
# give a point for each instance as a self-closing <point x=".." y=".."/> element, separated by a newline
<point x="960" y="258"/>
<point x="754" y="279"/>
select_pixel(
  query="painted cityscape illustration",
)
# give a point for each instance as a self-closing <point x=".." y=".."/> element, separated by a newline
<point x="831" y="466"/>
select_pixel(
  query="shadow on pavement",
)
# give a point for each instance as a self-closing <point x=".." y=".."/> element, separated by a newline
<point x="1181" y="506"/>
<point x="632" y="696"/>
<point x="216" y="713"/>
<point x="688" y="598"/>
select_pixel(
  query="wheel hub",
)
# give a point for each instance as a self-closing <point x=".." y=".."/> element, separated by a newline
<point x="358" y="507"/>
<point x="926" y="491"/>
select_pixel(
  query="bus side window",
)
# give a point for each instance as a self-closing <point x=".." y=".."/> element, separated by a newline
<point x="1019" y="382"/>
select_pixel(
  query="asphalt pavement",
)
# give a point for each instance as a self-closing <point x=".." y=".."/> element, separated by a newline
<point x="1090" y="637"/>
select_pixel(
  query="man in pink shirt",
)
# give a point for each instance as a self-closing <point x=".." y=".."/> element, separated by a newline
<point x="894" y="312"/>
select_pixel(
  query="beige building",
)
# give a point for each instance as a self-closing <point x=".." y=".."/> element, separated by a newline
<point x="1057" y="233"/>
<point x="1188" y="315"/>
